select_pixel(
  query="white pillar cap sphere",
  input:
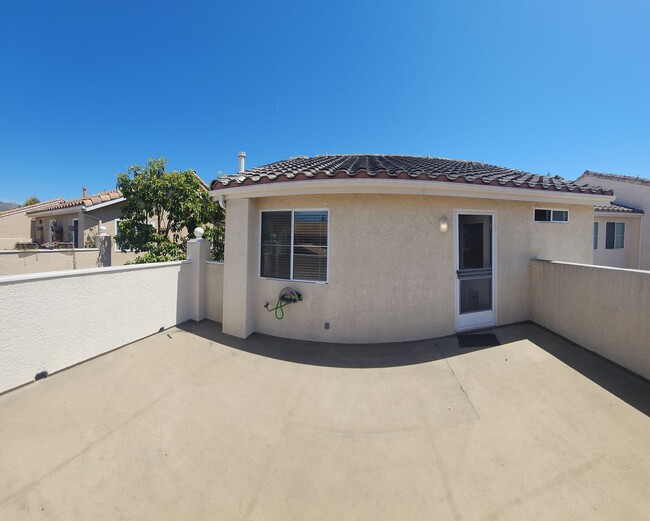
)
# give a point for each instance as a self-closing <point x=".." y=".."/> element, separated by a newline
<point x="198" y="232"/>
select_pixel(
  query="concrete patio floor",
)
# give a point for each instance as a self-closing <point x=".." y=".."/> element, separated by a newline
<point x="190" y="424"/>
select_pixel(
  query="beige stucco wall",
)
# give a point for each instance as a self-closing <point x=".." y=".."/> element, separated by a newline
<point x="14" y="262"/>
<point x="14" y="228"/>
<point x="635" y="195"/>
<point x="391" y="271"/>
<point x="627" y="257"/>
<point x="34" y="261"/>
<point x="214" y="290"/>
<point x="55" y="320"/>
<point x="603" y="309"/>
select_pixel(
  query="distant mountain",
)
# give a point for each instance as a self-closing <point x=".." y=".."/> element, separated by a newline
<point x="8" y="206"/>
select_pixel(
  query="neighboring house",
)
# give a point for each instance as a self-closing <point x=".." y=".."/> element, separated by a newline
<point x="617" y="233"/>
<point x="17" y="227"/>
<point x="75" y="222"/>
<point x="623" y="236"/>
<point x="391" y="248"/>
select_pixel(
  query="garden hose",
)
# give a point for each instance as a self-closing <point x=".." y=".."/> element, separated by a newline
<point x="279" y="312"/>
<point x="287" y="296"/>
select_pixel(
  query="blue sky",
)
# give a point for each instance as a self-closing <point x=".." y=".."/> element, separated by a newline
<point x="89" y="88"/>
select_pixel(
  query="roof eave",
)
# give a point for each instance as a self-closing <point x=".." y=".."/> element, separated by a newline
<point x="58" y="211"/>
<point x="606" y="213"/>
<point x="104" y="204"/>
<point x="410" y="187"/>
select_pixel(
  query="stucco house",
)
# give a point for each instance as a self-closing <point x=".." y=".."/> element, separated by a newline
<point x="18" y="227"/>
<point x="621" y="239"/>
<point x="76" y="220"/>
<point x="391" y="247"/>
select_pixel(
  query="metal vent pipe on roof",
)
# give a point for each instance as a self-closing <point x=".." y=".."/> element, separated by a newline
<point x="242" y="158"/>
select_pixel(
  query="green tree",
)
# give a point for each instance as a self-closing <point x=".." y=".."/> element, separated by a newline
<point x="161" y="211"/>
<point x="32" y="199"/>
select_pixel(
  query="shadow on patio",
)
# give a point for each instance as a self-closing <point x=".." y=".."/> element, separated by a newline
<point x="630" y="388"/>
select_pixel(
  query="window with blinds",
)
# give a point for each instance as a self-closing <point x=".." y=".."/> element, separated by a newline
<point x="294" y="245"/>
<point x="614" y="235"/>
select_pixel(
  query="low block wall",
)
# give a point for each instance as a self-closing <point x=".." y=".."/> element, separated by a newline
<point x="15" y="262"/>
<point x="606" y="310"/>
<point x="34" y="261"/>
<point x="50" y="321"/>
<point x="9" y="243"/>
<point x="214" y="291"/>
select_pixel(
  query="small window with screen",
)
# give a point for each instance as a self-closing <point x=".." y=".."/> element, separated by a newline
<point x="544" y="215"/>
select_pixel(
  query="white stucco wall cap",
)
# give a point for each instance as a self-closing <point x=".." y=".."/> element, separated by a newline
<point x="409" y="187"/>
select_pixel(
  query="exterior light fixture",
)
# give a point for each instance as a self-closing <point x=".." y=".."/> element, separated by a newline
<point x="444" y="225"/>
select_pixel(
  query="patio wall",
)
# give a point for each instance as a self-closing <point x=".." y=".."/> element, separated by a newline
<point x="35" y="261"/>
<point x="51" y="321"/>
<point x="603" y="309"/>
<point x="214" y="290"/>
<point x="15" y="262"/>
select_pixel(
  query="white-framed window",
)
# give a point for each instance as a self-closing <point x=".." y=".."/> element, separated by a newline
<point x="614" y="235"/>
<point x="547" y="215"/>
<point x="294" y="245"/>
<point x="595" y="236"/>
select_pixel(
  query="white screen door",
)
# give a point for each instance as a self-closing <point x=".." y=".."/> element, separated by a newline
<point x="474" y="270"/>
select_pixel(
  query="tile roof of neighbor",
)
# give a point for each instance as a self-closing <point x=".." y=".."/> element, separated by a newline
<point x="617" y="177"/>
<point x="617" y="208"/>
<point x="31" y="207"/>
<point x="400" y="167"/>
<point x="87" y="201"/>
<point x="101" y="197"/>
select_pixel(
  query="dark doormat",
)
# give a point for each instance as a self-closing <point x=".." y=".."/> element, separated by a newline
<point x="478" y="340"/>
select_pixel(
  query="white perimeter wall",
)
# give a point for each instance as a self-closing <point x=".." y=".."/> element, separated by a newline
<point x="214" y="291"/>
<point x="604" y="309"/>
<point x="50" y="321"/>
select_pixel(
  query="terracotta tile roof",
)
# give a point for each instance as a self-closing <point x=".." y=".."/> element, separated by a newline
<point x="87" y="201"/>
<point x="31" y="207"/>
<point x="400" y="167"/>
<point x="617" y="177"/>
<point x="617" y="208"/>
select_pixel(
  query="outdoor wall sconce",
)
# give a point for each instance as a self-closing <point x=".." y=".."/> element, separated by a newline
<point x="444" y="225"/>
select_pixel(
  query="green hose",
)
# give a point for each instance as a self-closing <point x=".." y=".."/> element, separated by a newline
<point x="279" y="312"/>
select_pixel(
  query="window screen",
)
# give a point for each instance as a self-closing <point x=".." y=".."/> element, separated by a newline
<point x="595" y="236"/>
<point x="560" y="216"/>
<point x="310" y="246"/>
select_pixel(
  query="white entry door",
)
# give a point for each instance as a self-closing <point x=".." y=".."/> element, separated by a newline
<point x="474" y="270"/>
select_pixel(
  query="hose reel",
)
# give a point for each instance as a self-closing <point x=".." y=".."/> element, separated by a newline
<point x="287" y="296"/>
